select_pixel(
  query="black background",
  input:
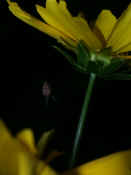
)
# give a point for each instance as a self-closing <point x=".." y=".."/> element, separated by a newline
<point x="27" y="60"/>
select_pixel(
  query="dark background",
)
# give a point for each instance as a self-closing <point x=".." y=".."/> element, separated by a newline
<point x="27" y="60"/>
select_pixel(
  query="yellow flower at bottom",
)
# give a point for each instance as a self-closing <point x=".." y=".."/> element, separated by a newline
<point x="114" y="164"/>
<point x="18" y="155"/>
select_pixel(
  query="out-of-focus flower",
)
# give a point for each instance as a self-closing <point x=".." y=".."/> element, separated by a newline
<point x="20" y="156"/>
<point x="106" y="44"/>
<point x="114" y="164"/>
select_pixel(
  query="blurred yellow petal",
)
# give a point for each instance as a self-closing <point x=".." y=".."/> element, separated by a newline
<point x="15" y="159"/>
<point x="44" y="169"/>
<point x="76" y="28"/>
<point x="10" y="149"/>
<point x="26" y="165"/>
<point x="8" y="152"/>
<point x="26" y="136"/>
<point x="121" y="34"/>
<point x="44" y="140"/>
<point x="4" y="132"/>
<point x="114" y="164"/>
<point x="105" y="22"/>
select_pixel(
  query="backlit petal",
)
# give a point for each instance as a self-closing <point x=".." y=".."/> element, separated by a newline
<point x="105" y="22"/>
<point x="121" y="34"/>
<point x="76" y="28"/>
<point x="54" y="16"/>
<point x="36" y="23"/>
<point x="86" y="33"/>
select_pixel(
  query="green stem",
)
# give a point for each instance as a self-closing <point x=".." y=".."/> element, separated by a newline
<point x="82" y="120"/>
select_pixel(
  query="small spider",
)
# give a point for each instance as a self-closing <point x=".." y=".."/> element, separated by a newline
<point x="47" y="93"/>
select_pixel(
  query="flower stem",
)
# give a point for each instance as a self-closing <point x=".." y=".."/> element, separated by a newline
<point x="82" y="120"/>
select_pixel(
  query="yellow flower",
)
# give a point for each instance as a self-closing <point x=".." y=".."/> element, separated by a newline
<point x="114" y="164"/>
<point x="19" y="155"/>
<point x="108" y="31"/>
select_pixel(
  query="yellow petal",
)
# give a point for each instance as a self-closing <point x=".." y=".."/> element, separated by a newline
<point x="44" y="169"/>
<point x="76" y="28"/>
<point x="10" y="148"/>
<point x="82" y="26"/>
<point x="48" y="171"/>
<point x="26" y="136"/>
<point x="36" y="23"/>
<point x="114" y="164"/>
<point x="121" y="34"/>
<point x="55" y="19"/>
<point x="86" y="33"/>
<point x="7" y="158"/>
<point x="63" y="7"/>
<point x="26" y="164"/>
<point x="105" y="22"/>
<point x="126" y="48"/>
<point x="16" y="160"/>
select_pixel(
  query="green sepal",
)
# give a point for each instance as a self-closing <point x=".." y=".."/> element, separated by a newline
<point x="65" y="54"/>
<point x="115" y="65"/>
<point x="101" y="63"/>
<point x="91" y="61"/>
<point x="83" y="55"/>
<point x="71" y="59"/>
<point x="119" y="76"/>
<point x="104" y="57"/>
<point x="118" y="70"/>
